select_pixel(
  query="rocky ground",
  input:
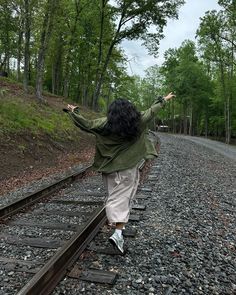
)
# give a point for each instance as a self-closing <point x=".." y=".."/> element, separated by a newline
<point x="186" y="241"/>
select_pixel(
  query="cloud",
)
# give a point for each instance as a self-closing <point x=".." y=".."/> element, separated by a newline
<point x="175" y="32"/>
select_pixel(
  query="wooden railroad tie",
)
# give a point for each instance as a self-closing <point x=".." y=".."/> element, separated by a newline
<point x="139" y="207"/>
<point x="93" y="275"/>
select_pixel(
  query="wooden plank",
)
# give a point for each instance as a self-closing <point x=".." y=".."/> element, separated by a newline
<point x="144" y="197"/>
<point x="62" y="213"/>
<point x="131" y="233"/>
<point x="88" y="193"/>
<point x="107" y="250"/>
<point x="94" y="275"/>
<point x="16" y="265"/>
<point x="32" y="242"/>
<point x="74" y="202"/>
<point x="56" y="226"/>
<point x="134" y="217"/>
<point x="139" y="207"/>
<point x="5" y="260"/>
<point x="18" y="268"/>
<point x="54" y="270"/>
<point x="152" y="179"/>
<point x="146" y="189"/>
<point x="153" y="176"/>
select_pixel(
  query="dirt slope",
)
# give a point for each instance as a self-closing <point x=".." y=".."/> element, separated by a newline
<point x="25" y="156"/>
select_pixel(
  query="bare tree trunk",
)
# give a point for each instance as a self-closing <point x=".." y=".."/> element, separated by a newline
<point x="229" y="97"/>
<point x="101" y="78"/>
<point x="99" y="82"/>
<point x="206" y="122"/>
<point x="45" y="37"/>
<point x="173" y="125"/>
<point x="185" y="119"/>
<point x="99" y="75"/>
<point x="222" y="75"/>
<point x="19" y="56"/>
<point x="27" y="45"/>
<point x="7" y="53"/>
<point x="228" y="127"/>
<point x="190" y="132"/>
<point x="57" y="69"/>
<point x="67" y="70"/>
<point x="108" y="96"/>
<point x="225" y="101"/>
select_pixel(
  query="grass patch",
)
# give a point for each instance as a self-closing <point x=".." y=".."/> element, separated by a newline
<point x="20" y="113"/>
<point x="17" y="115"/>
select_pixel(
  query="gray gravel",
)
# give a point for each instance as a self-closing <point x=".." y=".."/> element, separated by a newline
<point x="35" y="185"/>
<point x="221" y="148"/>
<point x="186" y="240"/>
<point x="11" y="279"/>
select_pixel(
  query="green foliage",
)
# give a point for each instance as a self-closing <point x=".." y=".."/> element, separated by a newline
<point x="85" y="63"/>
<point x="82" y="55"/>
<point x="216" y="37"/>
<point x="186" y="77"/>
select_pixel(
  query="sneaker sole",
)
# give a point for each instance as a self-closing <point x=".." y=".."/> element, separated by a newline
<point x="114" y="244"/>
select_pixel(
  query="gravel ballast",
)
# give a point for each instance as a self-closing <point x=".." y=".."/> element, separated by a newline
<point x="186" y="240"/>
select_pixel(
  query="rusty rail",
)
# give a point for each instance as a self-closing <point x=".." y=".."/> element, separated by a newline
<point x="31" y="198"/>
<point x="55" y="269"/>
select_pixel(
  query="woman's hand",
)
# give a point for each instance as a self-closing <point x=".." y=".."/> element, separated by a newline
<point x="169" y="96"/>
<point x="71" y="107"/>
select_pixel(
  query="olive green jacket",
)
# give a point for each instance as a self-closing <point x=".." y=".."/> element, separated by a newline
<point x="114" y="153"/>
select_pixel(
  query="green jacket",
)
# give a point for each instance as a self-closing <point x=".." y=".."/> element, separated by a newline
<point x="114" y="153"/>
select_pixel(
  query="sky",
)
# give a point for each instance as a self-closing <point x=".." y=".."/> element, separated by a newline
<point x="175" y="32"/>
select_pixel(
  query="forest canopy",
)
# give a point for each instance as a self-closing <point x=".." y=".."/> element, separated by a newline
<point x="72" y="48"/>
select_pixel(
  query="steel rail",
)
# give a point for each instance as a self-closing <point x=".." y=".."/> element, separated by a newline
<point x="31" y="198"/>
<point x="55" y="269"/>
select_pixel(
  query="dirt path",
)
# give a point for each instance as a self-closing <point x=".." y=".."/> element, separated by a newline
<point x="225" y="150"/>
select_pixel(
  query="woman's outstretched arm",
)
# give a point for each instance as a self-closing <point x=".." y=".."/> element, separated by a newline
<point x="156" y="106"/>
<point x="91" y="126"/>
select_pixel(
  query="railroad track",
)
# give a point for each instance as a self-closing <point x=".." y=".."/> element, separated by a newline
<point x="44" y="234"/>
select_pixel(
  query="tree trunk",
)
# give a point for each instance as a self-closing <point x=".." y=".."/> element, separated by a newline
<point x="57" y="69"/>
<point x="67" y="71"/>
<point x="99" y="75"/>
<point x="45" y="37"/>
<point x="191" y="119"/>
<point x="206" y="122"/>
<point x="101" y="78"/>
<point x="99" y="82"/>
<point x="173" y="125"/>
<point x="27" y="45"/>
<point x="225" y="96"/>
<point x="185" y="122"/>
<point x="229" y="97"/>
<point x="20" y="38"/>
<point x="225" y="101"/>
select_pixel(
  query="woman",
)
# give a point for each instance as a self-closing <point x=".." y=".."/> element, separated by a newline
<point x="121" y="144"/>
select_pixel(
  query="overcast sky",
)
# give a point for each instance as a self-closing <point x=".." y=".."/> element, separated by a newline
<point x="175" y="32"/>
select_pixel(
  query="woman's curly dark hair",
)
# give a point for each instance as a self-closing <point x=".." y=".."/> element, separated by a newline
<point x="123" y="119"/>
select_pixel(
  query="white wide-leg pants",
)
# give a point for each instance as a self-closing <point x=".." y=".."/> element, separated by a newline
<point x="121" y="189"/>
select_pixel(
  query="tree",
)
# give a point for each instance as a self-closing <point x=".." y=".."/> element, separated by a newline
<point x="185" y="74"/>
<point x="27" y="30"/>
<point x="216" y="35"/>
<point x="50" y="8"/>
<point x="133" y="19"/>
<point x="7" y="35"/>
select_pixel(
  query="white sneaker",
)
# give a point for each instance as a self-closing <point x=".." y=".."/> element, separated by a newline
<point x="117" y="241"/>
